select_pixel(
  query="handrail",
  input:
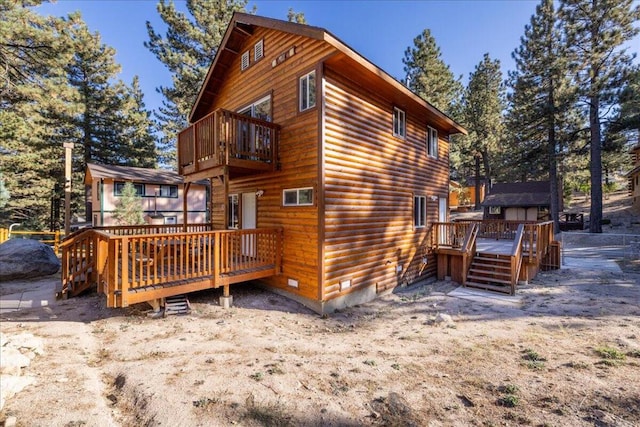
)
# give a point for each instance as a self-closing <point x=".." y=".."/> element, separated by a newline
<point x="516" y="258"/>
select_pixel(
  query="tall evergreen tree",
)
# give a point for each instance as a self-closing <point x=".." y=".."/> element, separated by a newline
<point x="596" y="31"/>
<point x="187" y="49"/>
<point x="33" y="50"/>
<point x="483" y="107"/>
<point x="539" y="101"/>
<point x="137" y="129"/>
<point x="428" y="75"/>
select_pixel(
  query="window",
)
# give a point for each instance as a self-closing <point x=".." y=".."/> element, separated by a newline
<point x="170" y="220"/>
<point x="308" y="91"/>
<point x="168" y="191"/>
<point x="432" y="142"/>
<point x="244" y="63"/>
<point x="399" y="124"/>
<point x="119" y="186"/>
<point x="258" y="50"/>
<point x="494" y="210"/>
<point x="232" y="220"/>
<point x="419" y="211"/>
<point x="298" y="197"/>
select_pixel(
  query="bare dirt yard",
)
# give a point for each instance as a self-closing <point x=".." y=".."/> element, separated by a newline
<point x="564" y="352"/>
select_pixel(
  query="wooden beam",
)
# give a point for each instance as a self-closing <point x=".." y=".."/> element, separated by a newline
<point x="185" y="193"/>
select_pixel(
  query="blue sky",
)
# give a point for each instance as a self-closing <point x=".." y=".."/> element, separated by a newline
<point x="380" y="30"/>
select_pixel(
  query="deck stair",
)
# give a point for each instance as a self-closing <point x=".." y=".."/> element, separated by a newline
<point x="177" y="304"/>
<point x="491" y="272"/>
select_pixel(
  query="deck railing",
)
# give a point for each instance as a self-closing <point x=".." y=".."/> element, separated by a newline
<point x="121" y="264"/>
<point x="224" y="138"/>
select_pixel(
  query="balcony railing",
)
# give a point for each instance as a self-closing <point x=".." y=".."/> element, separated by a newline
<point x="224" y="138"/>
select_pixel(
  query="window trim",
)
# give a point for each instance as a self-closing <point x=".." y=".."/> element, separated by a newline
<point x="118" y="193"/>
<point x="297" y="190"/>
<point x="305" y="78"/>
<point x="399" y="118"/>
<point x="419" y="221"/>
<point x="432" y="142"/>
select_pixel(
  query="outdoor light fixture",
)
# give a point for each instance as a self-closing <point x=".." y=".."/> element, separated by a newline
<point x="259" y="193"/>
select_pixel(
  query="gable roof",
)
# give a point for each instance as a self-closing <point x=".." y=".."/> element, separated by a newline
<point x="522" y="194"/>
<point x="130" y="173"/>
<point x="242" y="26"/>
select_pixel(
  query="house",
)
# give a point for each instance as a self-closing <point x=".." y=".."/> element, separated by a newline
<point x="634" y="176"/>
<point x="161" y="194"/>
<point x="297" y="130"/>
<point x="463" y="196"/>
<point x="519" y="201"/>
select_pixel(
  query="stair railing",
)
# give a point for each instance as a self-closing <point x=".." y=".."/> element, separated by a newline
<point x="516" y="258"/>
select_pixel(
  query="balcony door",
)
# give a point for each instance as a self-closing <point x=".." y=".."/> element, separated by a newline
<point x="249" y="222"/>
<point x="251" y="139"/>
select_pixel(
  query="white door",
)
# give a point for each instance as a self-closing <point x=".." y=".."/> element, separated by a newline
<point x="442" y="217"/>
<point x="249" y="222"/>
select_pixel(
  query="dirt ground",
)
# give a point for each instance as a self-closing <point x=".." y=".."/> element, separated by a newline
<point x="564" y="352"/>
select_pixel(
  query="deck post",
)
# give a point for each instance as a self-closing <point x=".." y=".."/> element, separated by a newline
<point x="185" y="217"/>
<point x="226" y="300"/>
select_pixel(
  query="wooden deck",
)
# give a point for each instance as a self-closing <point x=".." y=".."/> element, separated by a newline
<point x="494" y="255"/>
<point x="135" y="268"/>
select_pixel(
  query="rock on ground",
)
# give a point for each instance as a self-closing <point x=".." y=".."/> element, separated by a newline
<point x="26" y="258"/>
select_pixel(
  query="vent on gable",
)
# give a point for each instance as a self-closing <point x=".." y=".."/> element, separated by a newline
<point x="244" y="64"/>
<point x="258" y="51"/>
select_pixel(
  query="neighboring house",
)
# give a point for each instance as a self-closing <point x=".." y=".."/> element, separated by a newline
<point x="161" y="194"/>
<point x="634" y="176"/>
<point x="349" y="162"/>
<point x="520" y="201"/>
<point x="469" y="200"/>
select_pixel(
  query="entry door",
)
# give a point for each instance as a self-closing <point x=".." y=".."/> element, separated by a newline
<point x="249" y="222"/>
<point x="442" y="217"/>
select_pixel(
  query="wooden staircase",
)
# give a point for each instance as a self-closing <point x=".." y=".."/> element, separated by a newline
<point x="491" y="272"/>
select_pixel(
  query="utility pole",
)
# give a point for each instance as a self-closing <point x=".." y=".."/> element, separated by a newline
<point x="68" y="146"/>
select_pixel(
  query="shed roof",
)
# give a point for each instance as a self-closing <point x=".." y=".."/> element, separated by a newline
<point x="130" y="173"/>
<point x="521" y="194"/>
<point x="242" y="26"/>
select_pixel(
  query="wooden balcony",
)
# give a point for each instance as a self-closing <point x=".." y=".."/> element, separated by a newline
<point x="227" y="142"/>
<point x="136" y="268"/>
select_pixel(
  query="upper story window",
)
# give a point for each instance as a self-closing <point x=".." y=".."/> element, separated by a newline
<point x="432" y="142"/>
<point x="399" y="123"/>
<point x="119" y="186"/>
<point x="308" y="91"/>
<point x="168" y="191"/>
<point x="258" y="50"/>
<point x="419" y="211"/>
<point x="298" y="197"/>
<point x="244" y="62"/>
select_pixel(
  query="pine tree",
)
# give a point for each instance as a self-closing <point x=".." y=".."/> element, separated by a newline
<point x="128" y="210"/>
<point x="137" y="130"/>
<point x="596" y="31"/>
<point x="483" y="105"/>
<point x="428" y="75"/>
<point x="538" y="103"/>
<point x="33" y="50"/>
<point x="187" y="49"/>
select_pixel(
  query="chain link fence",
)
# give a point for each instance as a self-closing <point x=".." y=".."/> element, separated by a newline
<point x="624" y="249"/>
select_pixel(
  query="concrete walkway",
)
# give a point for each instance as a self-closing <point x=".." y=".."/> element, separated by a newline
<point x="36" y="293"/>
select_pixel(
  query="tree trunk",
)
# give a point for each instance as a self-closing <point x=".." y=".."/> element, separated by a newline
<point x="553" y="166"/>
<point x="487" y="170"/>
<point x="477" y="179"/>
<point x="595" y="214"/>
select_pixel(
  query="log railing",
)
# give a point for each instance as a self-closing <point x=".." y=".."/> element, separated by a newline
<point x="132" y="230"/>
<point x="222" y="137"/>
<point x="121" y="264"/>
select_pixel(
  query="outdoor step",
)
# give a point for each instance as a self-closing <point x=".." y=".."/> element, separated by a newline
<point x="492" y="258"/>
<point x="482" y="271"/>
<point x="489" y="265"/>
<point x="489" y="279"/>
<point x="489" y="287"/>
<point x="177" y="304"/>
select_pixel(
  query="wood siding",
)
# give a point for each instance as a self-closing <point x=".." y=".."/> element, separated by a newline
<point x="371" y="178"/>
<point x="298" y="156"/>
